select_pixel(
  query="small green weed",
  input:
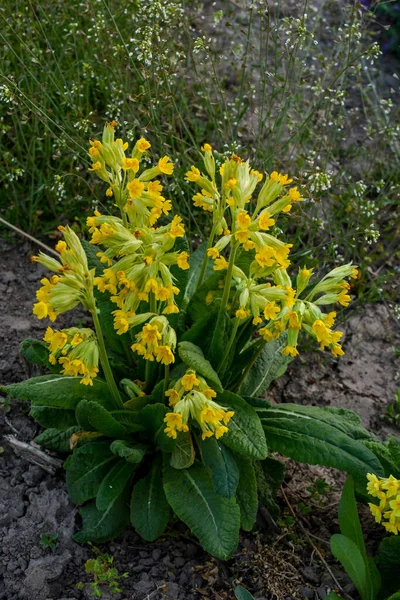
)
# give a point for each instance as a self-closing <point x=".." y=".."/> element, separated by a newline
<point x="104" y="574"/>
<point x="392" y="413"/>
<point x="48" y="541"/>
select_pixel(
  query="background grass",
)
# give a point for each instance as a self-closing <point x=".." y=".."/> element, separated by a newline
<point x="298" y="87"/>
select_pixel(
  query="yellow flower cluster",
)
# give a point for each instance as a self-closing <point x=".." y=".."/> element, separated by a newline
<point x="387" y="490"/>
<point x="137" y="255"/>
<point x="73" y="282"/>
<point x="156" y="340"/>
<point x="76" y="350"/>
<point x="273" y="301"/>
<point x="192" y="398"/>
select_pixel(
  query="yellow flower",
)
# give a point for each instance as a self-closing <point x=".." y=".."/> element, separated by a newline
<point x="182" y="261"/>
<point x="135" y="188"/>
<point x="220" y="264"/>
<point x="354" y="274"/>
<point x="242" y="313"/>
<point x="242" y="235"/>
<point x="376" y="512"/>
<point x="109" y="192"/>
<point x="392" y="485"/>
<point x="344" y="299"/>
<point x="265" y="221"/>
<point x="193" y="174"/>
<point x="177" y="230"/>
<point x="165" y="165"/>
<point x="271" y="311"/>
<point x="213" y="253"/>
<point x="61" y="246"/>
<point x="294" y="195"/>
<point x="173" y="396"/>
<point x="206" y="148"/>
<point x="266" y="334"/>
<point x="165" y="355"/>
<point x="243" y="220"/>
<point x="374" y="485"/>
<point x="290" y="351"/>
<point x="130" y="163"/>
<point x="95" y="166"/>
<point x="231" y="183"/>
<point x="189" y="380"/>
<point x="330" y="319"/>
<point x="209" y="297"/>
<point x="321" y="332"/>
<point x="142" y="145"/>
<point x="266" y="257"/>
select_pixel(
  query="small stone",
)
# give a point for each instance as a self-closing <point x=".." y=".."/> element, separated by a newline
<point x="8" y="277"/>
<point x="306" y="592"/>
<point x="156" y="554"/>
<point x="309" y="575"/>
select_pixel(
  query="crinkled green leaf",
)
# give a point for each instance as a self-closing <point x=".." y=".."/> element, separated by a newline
<point x="86" y="469"/>
<point x="245" y="434"/>
<point x="220" y="460"/>
<point x="246" y="493"/>
<point x="308" y="439"/>
<point x="214" y="520"/>
<point x="114" y="483"/>
<point x="183" y="453"/>
<point x="270" y="364"/>
<point x="133" y="453"/>
<point x="56" y="440"/>
<point x="36" y="352"/>
<point x="149" y="507"/>
<point x="152" y="418"/>
<point x="94" y="417"/>
<point x="53" y="417"/>
<point x="103" y="525"/>
<point x="389" y="564"/>
<point x="62" y="391"/>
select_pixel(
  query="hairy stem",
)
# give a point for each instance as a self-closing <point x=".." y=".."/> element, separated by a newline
<point x="228" y="280"/>
<point x="229" y="346"/>
<point x="112" y="386"/>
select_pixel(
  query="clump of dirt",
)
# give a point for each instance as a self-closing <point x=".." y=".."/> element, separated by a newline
<point x="283" y="566"/>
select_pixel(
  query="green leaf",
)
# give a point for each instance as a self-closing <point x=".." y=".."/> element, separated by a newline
<point x="224" y="471"/>
<point x="86" y="469"/>
<point x="37" y="353"/>
<point x="60" y="391"/>
<point x="389" y="565"/>
<point x="93" y="417"/>
<point x="194" y="358"/>
<point x="342" y="419"/>
<point x="349" y="521"/>
<point x="56" y="440"/>
<point x="308" y="439"/>
<point x="242" y="594"/>
<point x="149" y="506"/>
<point x="347" y="553"/>
<point x="350" y="527"/>
<point x="394" y="449"/>
<point x="197" y="306"/>
<point x="195" y="262"/>
<point x="114" y="483"/>
<point x="269" y="474"/>
<point x="199" y="333"/>
<point x="333" y="596"/>
<point x="152" y="418"/>
<point x="214" y="520"/>
<point x="220" y="339"/>
<point x="245" y="434"/>
<point x="270" y="364"/>
<point x="246" y="493"/>
<point x="183" y="453"/>
<point x="130" y="419"/>
<point x="103" y="525"/>
<point x="53" y="417"/>
<point x="133" y="453"/>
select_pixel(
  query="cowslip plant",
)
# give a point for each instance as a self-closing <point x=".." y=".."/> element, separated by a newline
<point x="159" y="403"/>
<point x="379" y="578"/>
